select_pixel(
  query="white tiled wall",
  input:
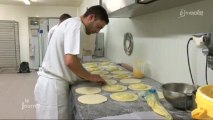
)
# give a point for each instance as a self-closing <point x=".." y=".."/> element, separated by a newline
<point x="160" y="39"/>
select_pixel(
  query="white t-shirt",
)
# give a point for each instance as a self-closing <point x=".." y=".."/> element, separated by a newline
<point x="65" y="40"/>
<point x="50" y="33"/>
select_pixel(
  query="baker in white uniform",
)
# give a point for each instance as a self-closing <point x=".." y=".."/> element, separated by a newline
<point x="51" y="31"/>
<point x="61" y="64"/>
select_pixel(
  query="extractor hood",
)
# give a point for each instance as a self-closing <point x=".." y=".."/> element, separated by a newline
<point x="133" y="8"/>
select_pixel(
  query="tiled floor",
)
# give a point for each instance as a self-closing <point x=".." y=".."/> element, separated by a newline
<point x="17" y="96"/>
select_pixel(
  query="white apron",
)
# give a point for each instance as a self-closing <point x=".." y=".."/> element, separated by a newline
<point x="52" y="98"/>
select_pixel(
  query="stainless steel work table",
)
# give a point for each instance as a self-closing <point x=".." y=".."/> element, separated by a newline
<point x="113" y="108"/>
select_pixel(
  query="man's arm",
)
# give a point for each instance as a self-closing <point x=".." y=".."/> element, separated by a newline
<point x="75" y="66"/>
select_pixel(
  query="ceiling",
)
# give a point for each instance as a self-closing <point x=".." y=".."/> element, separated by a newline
<point x="72" y="3"/>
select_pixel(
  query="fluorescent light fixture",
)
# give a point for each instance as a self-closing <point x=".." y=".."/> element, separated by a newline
<point x="27" y="2"/>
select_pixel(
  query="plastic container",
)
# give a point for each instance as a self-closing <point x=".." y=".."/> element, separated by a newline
<point x="204" y="100"/>
<point x="138" y="69"/>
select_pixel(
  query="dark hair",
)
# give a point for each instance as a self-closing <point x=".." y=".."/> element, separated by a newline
<point x="64" y="17"/>
<point x="99" y="11"/>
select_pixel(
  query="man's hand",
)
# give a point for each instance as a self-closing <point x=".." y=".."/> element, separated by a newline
<point x="75" y="66"/>
<point x="97" y="79"/>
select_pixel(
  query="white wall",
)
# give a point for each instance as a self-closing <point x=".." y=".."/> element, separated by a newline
<point x="21" y="14"/>
<point x="86" y="4"/>
<point x="160" y="39"/>
<point x="89" y="42"/>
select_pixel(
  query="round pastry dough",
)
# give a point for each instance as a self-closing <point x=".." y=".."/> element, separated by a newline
<point x="95" y="72"/>
<point x="120" y="72"/>
<point x="100" y="72"/>
<point x="106" y="77"/>
<point x="121" y="76"/>
<point x="105" y="63"/>
<point x="124" y="96"/>
<point x="88" y="90"/>
<point x="90" y="64"/>
<point x="92" y="99"/>
<point x="111" y="82"/>
<point x="92" y="69"/>
<point x="139" y="86"/>
<point x="130" y="81"/>
<point x="114" y="88"/>
<point x="109" y="66"/>
<point x="112" y="68"/>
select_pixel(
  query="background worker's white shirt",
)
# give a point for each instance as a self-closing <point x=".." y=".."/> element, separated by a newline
<point x="50" y="33"/>
<point x="65" y="40"/>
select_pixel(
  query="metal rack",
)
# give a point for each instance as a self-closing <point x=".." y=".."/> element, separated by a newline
<point x="9" y="45"/>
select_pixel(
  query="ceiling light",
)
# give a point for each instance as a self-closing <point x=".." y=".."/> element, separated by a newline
<point x="27" y="2"/>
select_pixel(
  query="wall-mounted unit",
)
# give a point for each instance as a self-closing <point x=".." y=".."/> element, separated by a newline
<point x="133" y="8"/>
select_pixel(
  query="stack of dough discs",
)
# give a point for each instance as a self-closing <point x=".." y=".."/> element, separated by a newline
<point x="114" y="88"/>
<point x="88" y="90"/>
<point x="139" y="86"/>
<point x="124" y="96"/>
<point x="92" y="99"/>
<point x="130" y="81"/>
<point x="120" y="72"/>
<point x="100" y="72"/>
<point x="110" y="81"/>
<point x="121" y="76"/>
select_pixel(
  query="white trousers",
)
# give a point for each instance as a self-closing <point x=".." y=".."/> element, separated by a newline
<point x="52" y="99"/>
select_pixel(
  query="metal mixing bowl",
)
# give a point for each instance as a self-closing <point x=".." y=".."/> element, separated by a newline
<point x="179" y="95"/>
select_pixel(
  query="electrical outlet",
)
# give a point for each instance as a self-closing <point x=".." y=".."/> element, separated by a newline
<point x="199" y="41"/>
<point x="202" y="39"/>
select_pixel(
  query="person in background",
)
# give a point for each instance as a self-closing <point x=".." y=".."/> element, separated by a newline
<point x="51" y="31"/>
<point x="61" y="65"/>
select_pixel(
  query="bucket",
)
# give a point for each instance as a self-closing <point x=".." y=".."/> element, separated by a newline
<point x="204" y="100"/>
